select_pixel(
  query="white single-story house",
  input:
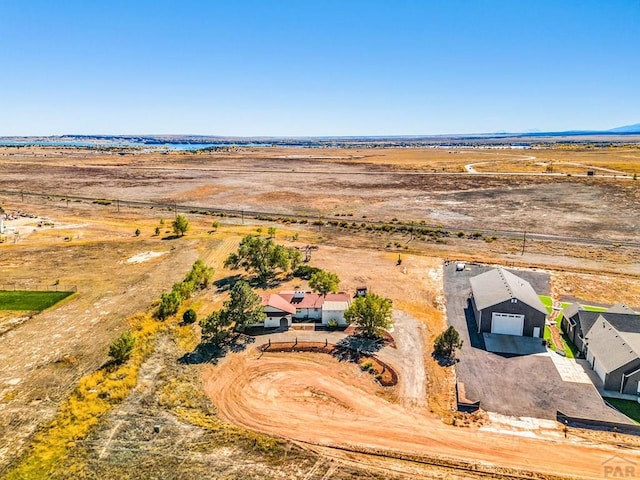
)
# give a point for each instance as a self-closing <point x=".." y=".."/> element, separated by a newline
<point x="278" y="311"/>
<point x="309" y="306"/>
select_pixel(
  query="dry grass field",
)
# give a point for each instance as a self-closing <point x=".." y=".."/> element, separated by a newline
<point x="407" y="184"/>
<point x="119" y="276"/>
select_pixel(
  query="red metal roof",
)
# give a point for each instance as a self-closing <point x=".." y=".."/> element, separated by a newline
<point x="276" y="301"/>
<point x="310" y="300"/>
<point x="338" y="297"/>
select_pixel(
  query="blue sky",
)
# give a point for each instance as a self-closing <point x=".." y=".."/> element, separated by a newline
<point x="334" y="67"/>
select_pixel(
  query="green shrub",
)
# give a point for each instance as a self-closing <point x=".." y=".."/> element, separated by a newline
<point x="120" y="350"/>
<point x="189" y="316"/>
<point x="169" y="305"/>
<point x="305" y="271"/>
<point x="366" y="366"/>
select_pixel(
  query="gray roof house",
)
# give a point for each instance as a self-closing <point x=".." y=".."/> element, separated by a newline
<point x="611" y="343"/>
<point x="506" y="304"/>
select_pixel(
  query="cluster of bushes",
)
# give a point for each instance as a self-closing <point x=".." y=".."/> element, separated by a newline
<point x="263" y="258"/>
<point x="420" y="230"/>
<point x="197" y="279"/>
<point x="195" y="211"/>
<point x="369" y="367"/>
<point x="305" y="271"/>
<point x="285" y="220"/>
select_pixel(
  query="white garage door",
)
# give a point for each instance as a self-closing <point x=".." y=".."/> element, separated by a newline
<point x="507" y="323"/>
<point x="590" y="357"/>
<point x="599" y="369"/>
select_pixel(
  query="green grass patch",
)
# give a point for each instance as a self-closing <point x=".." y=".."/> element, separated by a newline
<point x="629" y="407"/>
<point x="592" y="308"/>
<point x="589" y="308"/>
<point x="24" y="300"/>
<point x="547" y="302"/>
<point x="549" y="338"/>
<point x="570" y="350"/>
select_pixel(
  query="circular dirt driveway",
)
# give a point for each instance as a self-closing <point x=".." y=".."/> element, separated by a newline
<point x="314" y="398"/>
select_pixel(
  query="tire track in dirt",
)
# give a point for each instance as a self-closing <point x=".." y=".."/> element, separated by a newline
<point x="320" y="401"/>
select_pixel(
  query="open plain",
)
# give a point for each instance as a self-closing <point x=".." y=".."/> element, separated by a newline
<point x="83" y="201"/>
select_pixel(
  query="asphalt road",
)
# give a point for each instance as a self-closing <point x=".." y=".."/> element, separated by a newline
<point x="520" y="386"/>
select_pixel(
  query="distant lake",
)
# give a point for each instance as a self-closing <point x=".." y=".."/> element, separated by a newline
<point x="153" y="146"/>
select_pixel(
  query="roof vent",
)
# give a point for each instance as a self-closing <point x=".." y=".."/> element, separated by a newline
<point x="504" y="280"/>
<point x="298" y="295"/>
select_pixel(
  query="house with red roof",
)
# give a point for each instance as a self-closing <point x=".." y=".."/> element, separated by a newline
<point x="285" y="307"/>
<point x="278" y="311"/>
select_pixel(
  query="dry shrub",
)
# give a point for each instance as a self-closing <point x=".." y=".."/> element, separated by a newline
<point x="94" y="396"/>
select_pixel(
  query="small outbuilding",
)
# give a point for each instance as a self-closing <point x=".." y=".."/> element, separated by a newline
<point x="506" y="304"/>
<point x="333" y="308"/>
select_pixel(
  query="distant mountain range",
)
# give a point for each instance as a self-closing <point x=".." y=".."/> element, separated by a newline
<point x="635" y="128"/>
<point x="620" y="134"/>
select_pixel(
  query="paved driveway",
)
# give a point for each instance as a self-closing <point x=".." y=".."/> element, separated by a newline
<point x="521" y="386"/>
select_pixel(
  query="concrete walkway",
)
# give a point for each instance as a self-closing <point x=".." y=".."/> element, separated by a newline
<point x="569" y="369"/>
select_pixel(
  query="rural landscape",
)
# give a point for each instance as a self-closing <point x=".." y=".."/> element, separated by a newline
<point x="320" y="240"/>
<point x="209" y="311"/>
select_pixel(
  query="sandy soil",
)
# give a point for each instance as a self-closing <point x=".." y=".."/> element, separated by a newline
<point x="144" y="257"/>
<point x="318" y="400"/>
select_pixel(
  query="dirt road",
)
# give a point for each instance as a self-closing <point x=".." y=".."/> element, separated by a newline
<point x="319" y="400"/>
<point x="408" y="335"/>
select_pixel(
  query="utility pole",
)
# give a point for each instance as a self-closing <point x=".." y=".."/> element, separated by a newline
<point x="242" y="216"/>
<point x="175" y="209"/>
<point x="118" y="204"/>
<point x="524" y="241"/>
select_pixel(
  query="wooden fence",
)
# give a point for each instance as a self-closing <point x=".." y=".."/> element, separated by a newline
<point x="37" y="287"/>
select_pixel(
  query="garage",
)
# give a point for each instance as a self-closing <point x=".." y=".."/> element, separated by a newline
<point x="599" y="369"/>
<point x="507" y="323"/>
<point x="504" y="304"/>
